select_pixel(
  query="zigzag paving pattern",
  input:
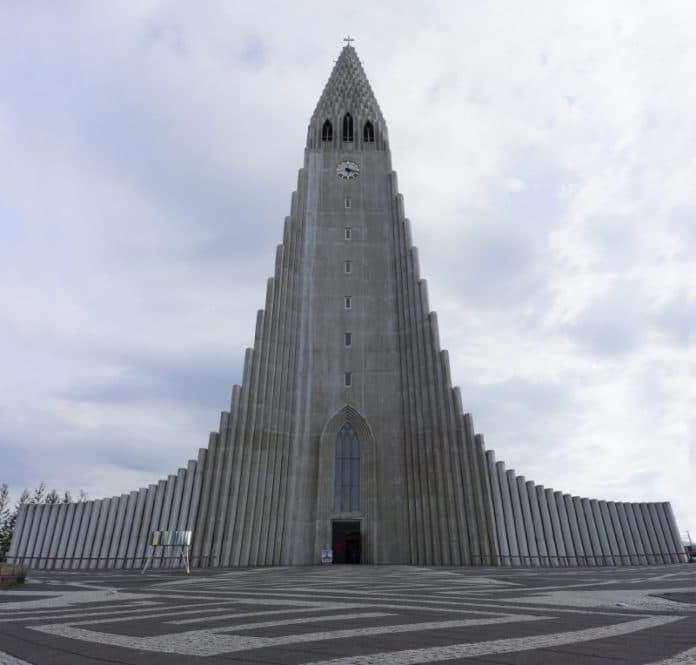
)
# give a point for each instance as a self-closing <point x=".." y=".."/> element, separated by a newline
<point x="355" y="615"/>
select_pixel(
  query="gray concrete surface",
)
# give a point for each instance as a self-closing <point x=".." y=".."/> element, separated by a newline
<point x="358" y="615"/>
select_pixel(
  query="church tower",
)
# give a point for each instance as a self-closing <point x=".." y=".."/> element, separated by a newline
<point x="346" y="431"/>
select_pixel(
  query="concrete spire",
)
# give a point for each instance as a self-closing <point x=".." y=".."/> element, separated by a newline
<point x="348" y="91"/>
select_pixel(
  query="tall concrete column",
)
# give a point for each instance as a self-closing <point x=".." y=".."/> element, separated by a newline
<point x="104" y="526"/>
<point x="676" y="536"/>
<point x="186" y="500"/>
<point x="61" y="550"/>
<point x="646" y="532"/>
<point x="556" y="528"/>
<point x="624" y="554"/>
<point x="592" y="532"/>
<point x="528" y="525"/>
<point x="156" y="516"/>
<point x="44" y="535"/>
<point x="142" y="548"/>
<point x="583" y="532"/>
<point x="18" y="545"/>
<point x="193" y="521"/>
<point x="601" y="532"/>
<point x="518" y="519"/>
<point x="84" y="538"/>
<point x="167" y="504"/>
<point x="672" y="552"/>
<point x="537" y="524"/>
<point x="112" y="534"/>
<point x="568" y="541"/>
<point x="642" y="546"/>
<point x="127" y="528"/>
<point x="38" y="532"/>
<point x="626" y="533"/>
<point x="202" y="541"/>
<point x="33" y="542"/>
<point x="610" y="533"/>
<point x="508" y="515"/>
<point x="138" y="528"/>
<point x="117" y="530"/>
<point x="175" y="513"/>
<point x="54" y="530"/>
<point x="503" y="549"/>
<point x="73" y="536"/>
<point x="489" y="534"/>
<point x="547" y="526"/>
<point x="657" y="520"/>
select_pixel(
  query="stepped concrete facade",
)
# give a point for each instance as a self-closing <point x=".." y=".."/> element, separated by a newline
<point x="346" y="431"/>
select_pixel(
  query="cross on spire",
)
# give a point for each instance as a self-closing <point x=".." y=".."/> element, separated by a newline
<point x="348" y="40"/>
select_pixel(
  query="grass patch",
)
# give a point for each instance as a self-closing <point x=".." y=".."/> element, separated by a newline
<point x="11" y="574"/>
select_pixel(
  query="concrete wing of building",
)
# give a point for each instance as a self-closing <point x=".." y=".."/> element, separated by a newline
<point x="346" y="433"/>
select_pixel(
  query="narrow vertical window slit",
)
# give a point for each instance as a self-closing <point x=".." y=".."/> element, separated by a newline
<point x="347" y="127"/>
<point x="347" y="471"/>
<point x="369" y="133"/>
<point x="327" y="131"/>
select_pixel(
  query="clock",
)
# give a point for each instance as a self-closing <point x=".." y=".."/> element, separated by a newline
<point x="348" y="170"/>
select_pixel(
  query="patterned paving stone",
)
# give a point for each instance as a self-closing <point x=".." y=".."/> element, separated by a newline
<point x="360" y="615"/>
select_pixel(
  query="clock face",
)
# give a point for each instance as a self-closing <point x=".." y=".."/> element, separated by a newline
<point x="348" y="170"/>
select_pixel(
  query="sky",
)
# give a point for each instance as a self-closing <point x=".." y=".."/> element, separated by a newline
<point x="546" y="152"/>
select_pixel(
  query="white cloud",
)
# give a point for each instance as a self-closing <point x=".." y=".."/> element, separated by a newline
<point x="149" y="151"/>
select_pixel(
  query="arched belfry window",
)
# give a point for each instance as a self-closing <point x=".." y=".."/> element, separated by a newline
<point x="327" y="131"/>
<point x="369" y="133"/>
<point x="347" y="127"/>
<point x="347" y="477"/>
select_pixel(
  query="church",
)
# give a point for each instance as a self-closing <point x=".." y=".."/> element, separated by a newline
<point x="346" y="432"/>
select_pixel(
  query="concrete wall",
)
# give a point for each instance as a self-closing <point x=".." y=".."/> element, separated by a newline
<point x="106" y="533"/>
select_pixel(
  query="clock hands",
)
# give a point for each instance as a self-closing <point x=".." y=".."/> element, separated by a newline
<point x="348" y="170"/>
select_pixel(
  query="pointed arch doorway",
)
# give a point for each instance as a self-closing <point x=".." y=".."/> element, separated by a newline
<point x="346" y="502"/>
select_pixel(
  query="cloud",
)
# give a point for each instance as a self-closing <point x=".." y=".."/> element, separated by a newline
<point x="611" y="325"/>
<point x="545" y="153"/>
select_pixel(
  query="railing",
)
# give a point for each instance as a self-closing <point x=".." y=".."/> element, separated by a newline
<point x="579" y="560"/>
<point x="26" y="560"/>
<point x="522" y="561"/>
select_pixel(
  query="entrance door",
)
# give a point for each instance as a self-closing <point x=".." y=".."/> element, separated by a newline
<point x="346" y="542"/>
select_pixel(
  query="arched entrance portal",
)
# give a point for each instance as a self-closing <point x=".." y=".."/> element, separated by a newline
<point x="346" y="501"/>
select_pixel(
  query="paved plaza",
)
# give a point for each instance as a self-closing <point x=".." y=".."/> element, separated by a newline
<point x="391" y="615"/>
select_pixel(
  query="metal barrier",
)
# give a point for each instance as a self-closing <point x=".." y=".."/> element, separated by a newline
<point x="643" y="559"/>
<point x="166" y="539"/>
<point x="579" y="560"/>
